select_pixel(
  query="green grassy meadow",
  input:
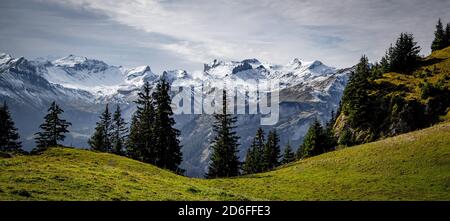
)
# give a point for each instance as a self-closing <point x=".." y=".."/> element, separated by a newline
<point x="412" y="166"/>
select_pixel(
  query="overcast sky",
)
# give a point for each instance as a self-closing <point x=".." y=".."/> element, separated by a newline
<point x="184" y="34"/>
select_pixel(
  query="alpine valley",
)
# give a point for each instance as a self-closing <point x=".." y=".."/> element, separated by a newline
<point x="83" y="86"/>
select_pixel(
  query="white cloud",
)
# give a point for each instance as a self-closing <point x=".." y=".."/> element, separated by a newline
<point x="206" y="30"/>
<point x="336" y="32"/>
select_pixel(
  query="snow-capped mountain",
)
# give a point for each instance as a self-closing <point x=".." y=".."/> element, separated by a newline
<point x="82" y="86"/>
<point x="86" y="74"/>
<point x="308" y="90"/>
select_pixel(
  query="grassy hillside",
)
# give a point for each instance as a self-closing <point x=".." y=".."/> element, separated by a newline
<point x="433" y="70"/>
<point x="413" y="166"/>
<point x="393" y="103"/>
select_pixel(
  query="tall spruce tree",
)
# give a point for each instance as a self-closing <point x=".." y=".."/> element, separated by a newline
<point x="447" y="35"/>
<point x="313" y="143"/>
<point x="439" y="41"/>
<point x="224" y="159"/>
<point x="385" y="62"/>
<point x="254" y="161"/>
<point x="119" y="132"/>
<point x="167" y="144"/>
<point x="249" y="165"/>
<point x="330" y="141"/>
<point x="355" y="100"/>
<point x="272" y="151"/>
<point x="141" y="143"/>
<point x="288" y="154"/>
<point x="405" y="53"/>
<point x="53" y="129"/>
<point x="132" y="143"/>
<point x="9" y="137"/>
<point x="101" y="139"/>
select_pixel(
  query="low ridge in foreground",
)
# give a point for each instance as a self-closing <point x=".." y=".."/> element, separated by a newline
<point x="413" y="166"/>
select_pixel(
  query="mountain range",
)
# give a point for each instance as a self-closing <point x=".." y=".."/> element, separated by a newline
<point x="82" y="86"/>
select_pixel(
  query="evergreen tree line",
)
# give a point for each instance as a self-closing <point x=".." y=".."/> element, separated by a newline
<point x="373" y="110"/>
<point x="370" y="115"/>
<point x="52" y="131"/>
<point x="110" y="132"/>
<point x="441" y="37"/>
<point x="262" y="155"/>
<point x="318" y="140"/>
<point x="401" y="57"/>
<point x="151" y="137"/>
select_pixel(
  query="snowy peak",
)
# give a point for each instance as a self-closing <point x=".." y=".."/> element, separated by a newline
<point x="4" y="58"/>
<point x="20" y="66"/>
<point x="208" y="67"/>
<point x="70" y="61"/>
<point x="295" y="72"/>
<point x="175" y="74"/>
<point x="138" y="72"/>
<point x="135" y="77"/>
<point x="101" y="79"/>
<point x="77" y="72"/>
<point x="314" y="64"/>
<point x="295" y="63"/>
<point x="253" y="61"/>
<point x="247" y="68"/>
<point x="78" y="63"/>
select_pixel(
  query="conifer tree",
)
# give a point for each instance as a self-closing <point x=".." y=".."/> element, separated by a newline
<point x="405" y="53"/>
<point x="330" y="140"/>
<point x="447" y="35"/>
<point x="385" y="62"/>
<point x="272" y="151"/>
<point x="402" y="57"/>
<point x="254" y="161"/>
<point x="101" y="139"/>
<point x="439" y="41"/>
<point x="141" y="143"/>
<point x="167" y="144"/>
<point x="9" y="137"/>
<point x="288" y="155"/>
<point x="355" y="100"/>
<point x="119" y="132"/>
<point x="224" y="160"/>
<point x="313" y="142"/>
<point x="249" y="164"/>
<point x="97" y="140"/>
<point x="53" y="129"/>
<point x="132" y="143"/>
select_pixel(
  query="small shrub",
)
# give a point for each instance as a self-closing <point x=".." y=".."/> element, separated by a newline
<point x="22" y="192"/>
<point x="193" y="190"/>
